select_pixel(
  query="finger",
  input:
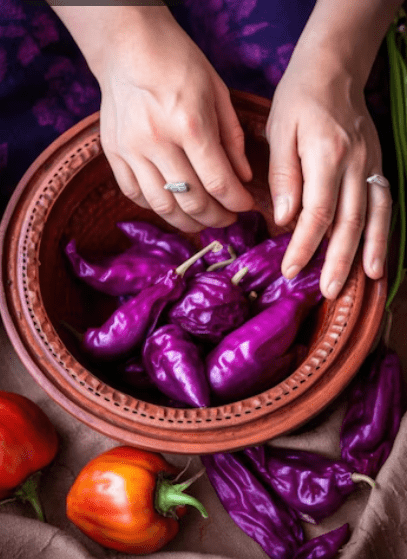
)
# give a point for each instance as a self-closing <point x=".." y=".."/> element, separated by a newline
<point x="322" y="168"/>
<point x="346" y="231"/>
<point x="285" y="175"/>
<point x="379" y="208"/>
<point x="161" y="201"/>
<point x="209" y="160"/>
<point x="126" y="180"/>
<point x="232" y="135"/>
<point x="197" y="203"/>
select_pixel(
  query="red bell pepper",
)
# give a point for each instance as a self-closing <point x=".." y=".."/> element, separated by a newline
<point x="28" y="443"/>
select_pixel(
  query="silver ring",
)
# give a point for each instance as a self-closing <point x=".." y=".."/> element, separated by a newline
<point x="380" y="180"/>
<point x="177" y="186"/>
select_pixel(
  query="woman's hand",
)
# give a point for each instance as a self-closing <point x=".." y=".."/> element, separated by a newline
<point x="166" y="116"/>
<point x="323" y="147"/>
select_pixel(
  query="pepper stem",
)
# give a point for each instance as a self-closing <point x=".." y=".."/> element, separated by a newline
<point x="239" y="275"/>
<point x="72" y="330"/>
<point x="223" y="263"/>
<point x="28" y="492"/>
<point x="356" y="478"/>
<point x="169" y="496"/>
<point x="214" y="246"/>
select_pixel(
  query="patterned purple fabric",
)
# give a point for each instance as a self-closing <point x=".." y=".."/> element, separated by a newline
<point x="46" y="86"/>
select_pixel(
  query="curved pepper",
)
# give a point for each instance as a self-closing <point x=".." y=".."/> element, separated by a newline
<point x="374" y="413"/>
<point x="310" y="484"/>
<point x="263" y="262"/>
<point x="240" y="360"/>
<point x="174" y="364"/>
<point x="257" y="511"/>
<point x="125" y="499"/>
<point x="212" y="306"/>
<point x="132" y="322"/>
<point x="325" y="546"/>
<point x="28" y="443"/>
<point x="248" y="230"/>
<point x="123" y="274"/>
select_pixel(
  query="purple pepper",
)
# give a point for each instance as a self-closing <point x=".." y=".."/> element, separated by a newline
<point x="310" y="484"/>
<point x="257" y="511"/>
<point x="374" y="413"/>
<point x="212" y="306"/>
<point x="325" y="546"/>
<point x="125" y="273"/>
<point x="240" y="360"/>
<point x="248" y="230"/>
<point x="151" y="240"/>
<point x="263" y="262"/>
<point x="133" y="374"/>
<point x="174" y="364"/>
<point x="131" y="323"/>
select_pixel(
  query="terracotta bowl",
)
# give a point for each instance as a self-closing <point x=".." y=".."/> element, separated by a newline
<point x="69" y="192"/>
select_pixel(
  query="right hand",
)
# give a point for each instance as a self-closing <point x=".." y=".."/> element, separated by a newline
<point x="166" y="116"/>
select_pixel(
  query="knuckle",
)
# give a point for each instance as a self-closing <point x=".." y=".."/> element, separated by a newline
<point x="322" y="215"/>
<point x="280" y="176"/>
<point x="216" y="187"/>
<point x="337" y="145"/>
<point x="384" y="201"/>
<point x="194" y="207"/>
<point x="163" y="207"/>
<point x="355" y="222"/>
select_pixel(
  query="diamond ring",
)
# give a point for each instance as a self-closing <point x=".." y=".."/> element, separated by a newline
<point x="177" y="186"/>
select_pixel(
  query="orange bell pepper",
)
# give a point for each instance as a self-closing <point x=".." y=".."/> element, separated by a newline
<point x="28" y="443"/>
<point x="126" y="499"/>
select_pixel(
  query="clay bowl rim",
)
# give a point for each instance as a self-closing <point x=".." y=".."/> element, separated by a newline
<point x="242" y="431"/>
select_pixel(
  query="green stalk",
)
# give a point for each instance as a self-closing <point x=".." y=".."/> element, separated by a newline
<point x="27" y="492"/>
<point x="398" y="97"/>
<point x="169" y="496"/>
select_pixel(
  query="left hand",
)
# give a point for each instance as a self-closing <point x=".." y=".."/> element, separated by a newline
<point x="323" y="146"/>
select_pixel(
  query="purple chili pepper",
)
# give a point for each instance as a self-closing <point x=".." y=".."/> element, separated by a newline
<point x="125" y="273"/>
<point x="131" y="323"/>
<point x="174" y="364"/>
<point x="310" y="484"/>
<point x="257" y="511"/>
<point x="240" y="360"/>
<point x="212" y="306"/>
<point x="248" y="230"/>
<point x="374" y="413"/>
<point x="151" y="240"/>
<point x="134" y="374"/>
<point x="325" y="546"/>
<point x="263" y="262"/>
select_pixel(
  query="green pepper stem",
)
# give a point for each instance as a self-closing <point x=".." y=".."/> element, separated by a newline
<point x="169" y="496"/>
<point x="356" y="478"/>
<point x="28" y="492"/>
<point x="223" y="263"/>
<point x="72" y="330"/>
<point x="239" y="275"/>
<point x="214" y="246"/>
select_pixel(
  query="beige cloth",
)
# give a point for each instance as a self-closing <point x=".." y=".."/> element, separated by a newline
<point x="377" y="517"/>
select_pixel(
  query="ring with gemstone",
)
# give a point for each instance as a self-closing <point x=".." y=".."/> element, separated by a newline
<point x="380" y="180"/>
<point x="177" y="186"/>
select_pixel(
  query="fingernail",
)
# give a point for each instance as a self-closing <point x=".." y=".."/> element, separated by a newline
<point x="377" y="266"/>
<point x="334" y="288"/>
<point x="281" y="208"/>
<point x="292" y="271"/>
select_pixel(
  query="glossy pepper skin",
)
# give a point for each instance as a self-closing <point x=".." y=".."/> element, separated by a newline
<point x="120" y="275"/>
<point x="263" y="262"/>
<point x="151" y="240"/>
<point x="211" y="307"/>
<point x="257" y="511"/>
<point x="175" y="366"/>
<point x="374" y="413"/>
<point x="310" y="484"/>
<point x="240" y="360"/>
<point x="248" y="230"/>
<point x="114" y="498"/>
<point x="133" y="321"/>
<point x="325" y="546"/>
<point x="28" y="443"/>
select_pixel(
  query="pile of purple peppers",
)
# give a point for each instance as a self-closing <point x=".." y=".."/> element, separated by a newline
<point x="204" y="328"/>
<point x="268" y="491"/>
